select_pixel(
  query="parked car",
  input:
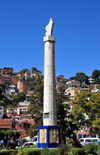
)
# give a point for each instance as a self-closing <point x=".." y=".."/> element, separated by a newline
<point x="26" y="144"/>
<point x="84" y="141"/>
<point x="35" y="139"/>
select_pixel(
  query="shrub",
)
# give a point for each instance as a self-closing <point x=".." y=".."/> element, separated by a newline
<point x="91" y="148"/>
<point x="21" y="152"/>
<point x="34" y="146"/>
<point x="9" y="152"/>
<point x="33" y="152"/>
<point x="63" y="149"/>
<point x="48" y="152"/>
<point x="78" y="151"/>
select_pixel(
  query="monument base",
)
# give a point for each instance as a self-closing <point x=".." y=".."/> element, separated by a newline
<point x="49" y="136"/>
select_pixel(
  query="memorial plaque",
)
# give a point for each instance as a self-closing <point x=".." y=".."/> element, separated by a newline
<point x="54" y="135"/>
<point x="43" y="133"/>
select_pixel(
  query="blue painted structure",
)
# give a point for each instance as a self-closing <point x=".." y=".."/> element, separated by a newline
<point x="48" y="144"/>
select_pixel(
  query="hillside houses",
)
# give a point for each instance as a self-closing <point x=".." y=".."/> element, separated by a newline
<point x="15" y="83"/>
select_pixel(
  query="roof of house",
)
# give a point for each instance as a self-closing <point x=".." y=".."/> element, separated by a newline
<point x="23" y="122"/>
<point x="60" y="84"/>
<point x="83" y="132"/>
<point x="28" y="72"/>
<point x="5" y="122"/>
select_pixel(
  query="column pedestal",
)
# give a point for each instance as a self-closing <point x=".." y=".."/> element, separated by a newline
<point x="49" y="136"/>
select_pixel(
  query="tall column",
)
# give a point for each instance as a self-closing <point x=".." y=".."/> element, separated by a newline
<point x="49" y="134"/>
<point x="49" y="109"/>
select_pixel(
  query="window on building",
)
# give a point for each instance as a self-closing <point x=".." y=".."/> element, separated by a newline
<point x="84" y="135"/>
<point x="94" y="135"/>
<point x="19" y="126"/>
<point x="79" y="136"/>
<point x="26" y="132"/>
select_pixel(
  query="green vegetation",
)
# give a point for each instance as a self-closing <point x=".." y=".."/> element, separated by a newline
<point x="63" y="149"/>
<point x="24" y="70"/>
<point x="80" y="76"/>
<point x="35" y="70"/>
<point x="9" y="152"/>
<point x="3" y="100"/>
<point x="18" y="98"/>
<point x="95" y="76"/>
<point x="86" y="111"/>
<point x="36" y="106"/>
<point x="6" y="134"/>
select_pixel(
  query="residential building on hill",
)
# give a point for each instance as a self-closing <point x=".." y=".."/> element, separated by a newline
<point x="21" y="75"/>
<point x="85" y="88"/>
<point x="7" y="69"/>
<point x="91" y="80"/>
<point x="11" y="89"/>
<point x="23" y="128"/>
<point x="23" y="86"/>
<point x="27" y="74"/>
<point x="60" y="79"/>
<point x="6" y="124"/>
<point x="72" y="90"/>
<point x="14" y="80"/>
<point x="22" y="110"/>
<point x="25" y="103"/>
<point x="73" y="82"/>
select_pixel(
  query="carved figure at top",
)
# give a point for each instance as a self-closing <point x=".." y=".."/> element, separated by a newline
<point x="49" y="28"/>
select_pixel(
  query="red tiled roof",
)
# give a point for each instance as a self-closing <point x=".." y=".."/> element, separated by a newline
<point x="83" y="132"/>
<point x="6" y="122"/>
<point x="5" y="127"/>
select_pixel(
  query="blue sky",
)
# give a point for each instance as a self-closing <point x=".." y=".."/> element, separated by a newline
<point x="76" y="29"/>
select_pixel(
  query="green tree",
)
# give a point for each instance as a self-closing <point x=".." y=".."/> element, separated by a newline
<point x="64" y="118"/>
<point x="95" y="76"/>
<point x="3" y="133"/>
<point x="80" y="76"/>
<point x="73" y="78"/>
<point x="36" y="106"/>
<point x="18" y="134"/>
<point x="62" y="108"/>
<point x="86" y="111"/>
<point x="2" y="98"/>
<point x="24" y="70"/>
<point x="19" y="98"/>
<point x="11" y="133"/>
<point x="35" y="70"/>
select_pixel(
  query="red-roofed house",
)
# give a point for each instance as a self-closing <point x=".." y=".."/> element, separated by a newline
<point x="6" y="124"/>
<point x="23" y="128"/>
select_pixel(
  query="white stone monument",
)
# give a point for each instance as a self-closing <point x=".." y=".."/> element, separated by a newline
<point x="49" y="133"/>
<point x="49" y="106"/>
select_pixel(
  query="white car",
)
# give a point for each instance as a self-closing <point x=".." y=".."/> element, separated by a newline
<point x="26" y="144"/>
<point x="84" y="141"/>
<point x="35" y="139"/>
